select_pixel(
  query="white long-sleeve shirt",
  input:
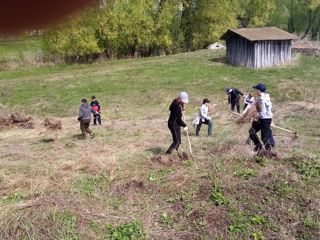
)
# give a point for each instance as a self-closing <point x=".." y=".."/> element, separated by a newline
<point x="265" y="106"/>
<point x="204" y="110"/>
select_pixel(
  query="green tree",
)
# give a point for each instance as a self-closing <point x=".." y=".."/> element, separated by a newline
<point x="210" y="20"/>
<point x="251" y="13"/>
<point x="75" y="40"/>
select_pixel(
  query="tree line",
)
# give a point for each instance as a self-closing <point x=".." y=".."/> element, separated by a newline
<point x="132" y="28"/>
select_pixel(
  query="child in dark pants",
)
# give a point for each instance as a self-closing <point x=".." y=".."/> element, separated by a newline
<point x="175" y="120"/>
<point x="263" y="121"/>
<point x="95" y="109"/>
<point x="234" y="96"/>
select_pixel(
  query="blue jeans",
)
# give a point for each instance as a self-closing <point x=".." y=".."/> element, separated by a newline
<point x="207" y="122"/>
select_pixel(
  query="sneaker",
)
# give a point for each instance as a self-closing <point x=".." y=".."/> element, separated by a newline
<point x="92" y="135"/>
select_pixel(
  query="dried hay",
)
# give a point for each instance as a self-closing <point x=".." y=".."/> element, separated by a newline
<point x="17" y="120"/>
<point x="52" y="124"/>
<point x="248" y="116"/>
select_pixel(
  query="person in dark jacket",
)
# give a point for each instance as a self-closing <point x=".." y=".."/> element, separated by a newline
<point x="84" y="118"/>
<point x="95" y="109"/>
<point x="175" y="120"/>
<point x="234" y="96"/>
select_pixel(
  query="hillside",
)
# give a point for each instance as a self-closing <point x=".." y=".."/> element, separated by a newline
<point x="53" y="185"/>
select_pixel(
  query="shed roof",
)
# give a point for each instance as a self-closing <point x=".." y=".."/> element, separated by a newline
<point x="260" y="34"/>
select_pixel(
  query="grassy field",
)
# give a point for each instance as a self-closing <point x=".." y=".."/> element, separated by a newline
<point x="121" y="186"/>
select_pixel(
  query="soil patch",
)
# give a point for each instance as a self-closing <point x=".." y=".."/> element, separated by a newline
<point x="169" y="160"/>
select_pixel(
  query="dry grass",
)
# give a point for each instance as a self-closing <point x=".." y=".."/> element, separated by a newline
<point x="123" y="175"/>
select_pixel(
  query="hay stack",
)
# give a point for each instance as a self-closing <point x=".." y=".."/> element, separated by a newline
<point x="16" y="119"/>
<point x="248" y="116"/>
<point x="52" y="124"/>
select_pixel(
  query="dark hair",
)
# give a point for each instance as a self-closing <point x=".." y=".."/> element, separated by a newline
<point x="83" y="100"/>
<point x="93" y="97"/>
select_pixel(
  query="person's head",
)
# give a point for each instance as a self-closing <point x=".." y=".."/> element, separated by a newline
<point x="228" y="90"/>
<point x="183" y="97"/>
<point x="93" y="98"/>
<point x="83" y="100"/>
<point x="260" y="88"/>
<point x="205" y="101"/>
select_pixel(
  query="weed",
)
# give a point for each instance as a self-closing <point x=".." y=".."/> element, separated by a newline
<point x="12" y="198"/>
<point x="245" y="173"/>
<point x="257" y="235"/>
<point x="258" y="220"/>
<point x="311" y="223"/>
<point x="89" y="185"/>
<point x="239" y="222"/>
<point x="217" y="196"/>
<point x="165" y="219"/>
<point x="66" y="221"/>
<point x="284" y="189"/>
<point x="309" y="169"/>
<point x="160" y="175"/>
<point x="125" y="231"/>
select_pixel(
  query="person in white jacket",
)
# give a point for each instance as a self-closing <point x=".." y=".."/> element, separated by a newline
<point x="263" y="121"/>
<point x="203" y="118"/>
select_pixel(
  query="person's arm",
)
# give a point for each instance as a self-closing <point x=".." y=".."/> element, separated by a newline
<point x="229" y="98"/>
<point x="178" y="113"/>
<point x="80" y="114"/>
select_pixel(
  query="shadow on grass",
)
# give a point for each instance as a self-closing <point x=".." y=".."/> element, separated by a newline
<point x="156" y="150"/>
<point x="218" y="59"/>
<point x="77" y="136"/>
<point x="47" y="140"/>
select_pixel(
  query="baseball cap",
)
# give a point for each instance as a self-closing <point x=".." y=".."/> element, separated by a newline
<point x="261" y="87"/>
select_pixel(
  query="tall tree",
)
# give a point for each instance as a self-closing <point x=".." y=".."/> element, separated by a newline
<point x="210" y="20"/>
<point x="254" y="12"/>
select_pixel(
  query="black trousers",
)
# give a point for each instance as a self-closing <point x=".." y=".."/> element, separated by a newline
<point x="266" y="133"/>
<point x="235" y="104"/>
<point x="96" y="118"/>
<point x="176" y="137"/>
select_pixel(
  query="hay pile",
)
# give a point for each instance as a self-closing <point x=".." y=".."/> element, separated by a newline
<point x="248" y="116"/>
<point x="17" y="120"/>
<point x="52" y="124"/>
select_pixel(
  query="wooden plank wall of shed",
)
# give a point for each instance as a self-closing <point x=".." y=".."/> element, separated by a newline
<point x="271" y="53"/>
<point x="240" y="51"/>
<point x="259" y="54"/>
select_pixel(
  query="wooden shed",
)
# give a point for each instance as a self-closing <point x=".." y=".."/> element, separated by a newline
<point x="258" y="47"/>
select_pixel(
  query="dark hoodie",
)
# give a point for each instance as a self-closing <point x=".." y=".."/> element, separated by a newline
<point x="175" y="117"/>
<point x="85" y="112"/>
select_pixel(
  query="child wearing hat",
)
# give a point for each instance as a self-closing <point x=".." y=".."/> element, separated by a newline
<point x="263" y="121"/>
<point x="203" y="118"/>
<point x="95" y="109"/>
<point x="234" y="96"/>
<point x="175" y="121"/>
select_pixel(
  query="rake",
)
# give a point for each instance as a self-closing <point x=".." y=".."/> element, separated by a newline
<point x="187" y="136"/>
<point x="295" y="133"/>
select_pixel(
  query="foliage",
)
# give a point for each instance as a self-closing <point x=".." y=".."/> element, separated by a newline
<point x="126" y="231"/>
<point x="217" y="196"/>
<point x="74" y="40"/>
<point x="252" y="13"/>
<point x="210" y="20"/>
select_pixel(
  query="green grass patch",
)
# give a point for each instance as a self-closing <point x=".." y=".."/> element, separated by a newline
<point x="67" y="222"/>
<point x="217" y="196"/>
<point x="126" y="231"/>
<point x="90" y="185"/>
<point x="245" y="173"/>
<point x="12" y="198"/>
